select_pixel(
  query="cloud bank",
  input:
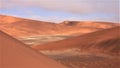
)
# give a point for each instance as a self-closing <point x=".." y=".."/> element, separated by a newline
<point x="72" y="6"/>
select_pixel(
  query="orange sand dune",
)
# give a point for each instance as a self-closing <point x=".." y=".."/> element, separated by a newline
<point x="14" y="54"/>
<point x="24" y="27"/>
<point x="107" y="41"/>
<point x="18" y="27"/>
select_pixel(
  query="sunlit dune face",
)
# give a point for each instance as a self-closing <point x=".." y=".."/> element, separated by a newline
<point x="89" y="24"/>
<point x="8" y="19"/>
<point x="25" y="27"/>
<point x="93" y="24"/>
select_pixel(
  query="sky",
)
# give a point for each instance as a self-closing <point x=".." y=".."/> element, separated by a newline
<point x="62" y="10"/>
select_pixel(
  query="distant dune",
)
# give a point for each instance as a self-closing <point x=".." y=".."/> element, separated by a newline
<point x="19" y="27"/>
<point x="14" y="54"/>
<point x="24" y="27"/>
<point x="104" y="41"/>
<point x="100" y="49"/>
<point x="86" y="44"/>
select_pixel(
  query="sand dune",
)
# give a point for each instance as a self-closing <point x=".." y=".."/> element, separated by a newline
<point x="24" y="27"/>
<point x="14" y="54"/>
<point x="91" y="50"/>
<point x="99" y="49"/>
<point x="19" y="27"/>
<point x="105" y="41"/>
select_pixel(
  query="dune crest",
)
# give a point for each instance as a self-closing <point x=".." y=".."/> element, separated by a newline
<point x="19" y="27"/>
<point x="14" y="54"/>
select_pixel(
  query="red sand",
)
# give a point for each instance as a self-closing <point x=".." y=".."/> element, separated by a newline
<point x="107" y="41"/>
<point x="14" y="54"/>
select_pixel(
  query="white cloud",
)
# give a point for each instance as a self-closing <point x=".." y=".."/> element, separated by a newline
<point x="82" y="7"/>
<point x="74" y="6"/>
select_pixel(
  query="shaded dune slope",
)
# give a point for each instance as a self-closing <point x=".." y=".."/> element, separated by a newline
<point x="14" y="54"/>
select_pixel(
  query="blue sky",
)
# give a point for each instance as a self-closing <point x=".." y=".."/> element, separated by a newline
<point x="60" y="10"/>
